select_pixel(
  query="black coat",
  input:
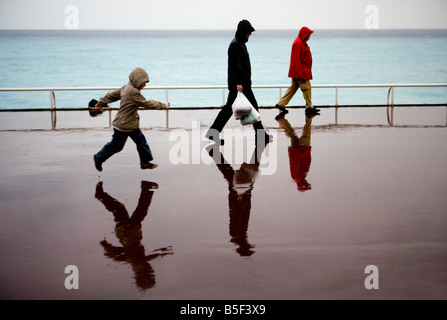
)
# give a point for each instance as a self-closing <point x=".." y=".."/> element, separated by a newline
<point x="239" y="68"/>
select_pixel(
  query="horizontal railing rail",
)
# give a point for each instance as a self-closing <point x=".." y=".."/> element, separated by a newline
<point x="389" y="100"/>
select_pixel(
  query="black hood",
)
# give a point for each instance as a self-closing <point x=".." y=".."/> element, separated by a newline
<point x="243" y="28"/>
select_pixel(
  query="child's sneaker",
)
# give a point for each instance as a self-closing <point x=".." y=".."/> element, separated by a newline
<point x="98" y="164"/>
<point x="148" y="165"/>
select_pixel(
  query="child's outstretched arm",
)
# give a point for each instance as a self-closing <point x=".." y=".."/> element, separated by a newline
<point x="141" y="101"/>
<point x="110" y="97"/>
<point x="152" y="104"/>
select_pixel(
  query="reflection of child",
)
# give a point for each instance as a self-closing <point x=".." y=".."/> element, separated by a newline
<point x="129" y="233"/>
<point x="127" y="121"/>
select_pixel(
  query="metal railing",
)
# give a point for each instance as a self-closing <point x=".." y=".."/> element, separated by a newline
<point x="389" y="99"/>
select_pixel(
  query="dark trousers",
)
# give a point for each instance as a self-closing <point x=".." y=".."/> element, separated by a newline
<point x="119" y="140"/>
<point x="227" y="111"/>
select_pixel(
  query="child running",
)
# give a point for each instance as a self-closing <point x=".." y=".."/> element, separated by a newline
<point x="127" y="121"/>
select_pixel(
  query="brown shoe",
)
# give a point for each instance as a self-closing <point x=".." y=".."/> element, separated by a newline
<point x="148" y="165"/>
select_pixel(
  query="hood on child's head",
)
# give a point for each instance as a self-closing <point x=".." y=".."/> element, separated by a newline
<point x="304" y="33"/>
<point x="138" y="76"/>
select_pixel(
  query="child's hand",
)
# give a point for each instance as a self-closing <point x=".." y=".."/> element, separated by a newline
<point x="168" y="104"/>
<point x="98" y="107"/>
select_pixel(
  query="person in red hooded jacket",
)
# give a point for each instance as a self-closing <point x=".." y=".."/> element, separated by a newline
<point x="300" y="71"/>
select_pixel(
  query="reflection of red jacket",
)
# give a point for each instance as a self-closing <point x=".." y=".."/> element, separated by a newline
<point x="300" y="159"/>
<point x="301" y="57"/>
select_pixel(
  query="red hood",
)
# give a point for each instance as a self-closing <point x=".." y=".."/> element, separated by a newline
<point x="304" y="32"/>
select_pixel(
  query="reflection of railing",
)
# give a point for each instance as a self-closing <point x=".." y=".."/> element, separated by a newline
<point x="389" y="102"/>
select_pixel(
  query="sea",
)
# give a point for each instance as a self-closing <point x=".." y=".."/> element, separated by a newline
<point x="87" y="58"/>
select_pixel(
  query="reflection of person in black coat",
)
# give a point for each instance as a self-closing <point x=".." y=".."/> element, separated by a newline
<point x="240" y="185"/>
<point x="128" y="232"/>
<point x="299" y="150"/>
<point x="239" y="80"/>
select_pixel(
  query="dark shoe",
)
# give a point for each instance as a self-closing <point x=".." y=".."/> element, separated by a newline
<point x="98" y="164"/>
<point x="148" y="165"/>
<point x="282" y="109"/>
<point x="281" y="115"/>
<point x="310" y="111"/>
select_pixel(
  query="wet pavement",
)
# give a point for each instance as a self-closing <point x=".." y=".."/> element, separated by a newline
<point x="302" y="223"/>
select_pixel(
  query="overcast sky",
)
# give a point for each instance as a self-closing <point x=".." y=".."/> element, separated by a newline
<point x="212" y="14"/>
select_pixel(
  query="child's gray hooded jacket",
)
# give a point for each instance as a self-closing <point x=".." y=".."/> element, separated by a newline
<point x="127" y="118"/>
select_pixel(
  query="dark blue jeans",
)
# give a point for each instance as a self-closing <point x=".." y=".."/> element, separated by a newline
<point x="119" y="140"/>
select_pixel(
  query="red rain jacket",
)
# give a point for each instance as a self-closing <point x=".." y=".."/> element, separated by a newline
<point x="301" y="57"/>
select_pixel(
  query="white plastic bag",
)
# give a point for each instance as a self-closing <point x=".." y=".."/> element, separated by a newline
<point x="241" y="106"/>
<point x="251" y="118"/>
<point x="244" y="178"/>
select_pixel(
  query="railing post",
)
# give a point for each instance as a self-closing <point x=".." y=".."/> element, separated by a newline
<point x="388" y="106"/>
<point x="167" y="108"/>
<point x="110" y="113"/>
<point x="336" y="105"/>
<point x="392" y="106"/>
<point x="53" y="109"/>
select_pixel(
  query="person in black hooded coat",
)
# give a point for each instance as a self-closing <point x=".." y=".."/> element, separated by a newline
<point x="239" y="79"/>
